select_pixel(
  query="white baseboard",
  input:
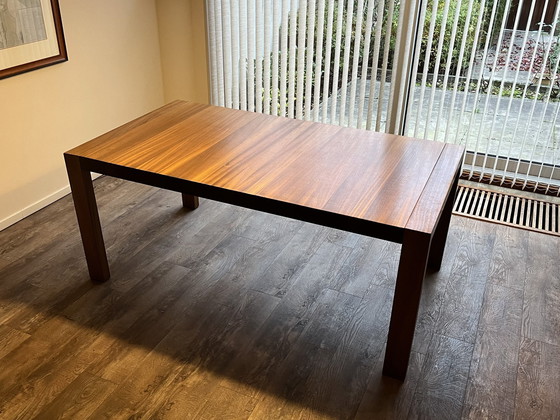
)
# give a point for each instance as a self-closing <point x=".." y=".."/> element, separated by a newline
<point x="29" y="210"/>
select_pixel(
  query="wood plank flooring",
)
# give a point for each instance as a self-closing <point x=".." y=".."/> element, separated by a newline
<point x="227" y="313"/>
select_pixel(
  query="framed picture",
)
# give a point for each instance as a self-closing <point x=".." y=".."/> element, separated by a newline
<point x="31" y="36"/>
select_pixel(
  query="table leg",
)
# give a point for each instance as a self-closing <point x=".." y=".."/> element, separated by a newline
<point x="440" y="235"/>
<point x="412" y="269"/>
<point x="190" y="201"/>
<point x="88" y="218"/>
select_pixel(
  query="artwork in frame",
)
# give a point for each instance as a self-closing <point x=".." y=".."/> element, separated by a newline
<point x="31" y="36"/>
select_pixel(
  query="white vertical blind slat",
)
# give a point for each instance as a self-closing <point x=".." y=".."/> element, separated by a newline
<point x="479" y="80"/>
<point x="549" y="179"/>
<point x="309" y="51"/>
<point x="300" y="69"/>
<point x="328" y="57"/>
<point x="423" y="84"/>
<point x="455" y="88"/>
<point x="228" y="82"/>
<point x="336" y="65"/>
<point x="501" y="86"/>
<point x="259" y="34"/>
<point x="213" y="40"/>
<point x="400" y="80"/>
<point x="479" y="137"/>
<point x="219" y="53"/>
<point x="529" y="135"/>
<point x="385" y="65"/>
<point x="356" y="61"/>
<point x="243" y="53"/>
<point x="521" y="107"/>
<point x="292" y="59"/>
<point x="437" y="66"/>
<point x="550" y="139"/>
<point x="235" y="59"/>
<point x="251" y="54"/>
<point x="346" y="61"/>
<point x="412" y="94"/>
<point x="543" y="114"/>
<point x="470" y="67"/>
<point x="276" y="14"/>
<point x="364" y="73"/>
<point x="374" y="65"/>
<point x="267" y="74"/>
<point x="318" y="67"/>
<point x="446" y="74"/>
<point x="284" y="58"/>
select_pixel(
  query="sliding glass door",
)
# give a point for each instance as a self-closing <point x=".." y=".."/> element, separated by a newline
<point x="473" y="72"/>
<point x="486" y="76"/>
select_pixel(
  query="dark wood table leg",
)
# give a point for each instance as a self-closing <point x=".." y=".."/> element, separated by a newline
<point x="88" y="218"/>
<point x="190" y="201"/>
<point x="412" y="269"/>
<point x="440" y="235"/>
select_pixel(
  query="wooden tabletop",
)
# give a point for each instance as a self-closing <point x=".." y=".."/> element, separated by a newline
<point x="385" y="179"/>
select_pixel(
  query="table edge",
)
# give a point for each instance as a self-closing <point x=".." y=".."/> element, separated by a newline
<point x="259" y="203"/>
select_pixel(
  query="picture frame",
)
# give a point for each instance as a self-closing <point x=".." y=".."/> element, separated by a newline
<point x="31" y="36"/>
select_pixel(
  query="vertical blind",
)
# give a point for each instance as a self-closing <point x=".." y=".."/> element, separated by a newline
<point x="485" y="78"/>
<point x="459" y="71"/>
<point x="311" y="60"/>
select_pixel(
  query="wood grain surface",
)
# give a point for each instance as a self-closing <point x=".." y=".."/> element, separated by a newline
<point x="356" y="173"/>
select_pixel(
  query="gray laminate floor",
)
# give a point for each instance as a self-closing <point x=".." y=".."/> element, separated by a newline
<point x="227" y="313"/>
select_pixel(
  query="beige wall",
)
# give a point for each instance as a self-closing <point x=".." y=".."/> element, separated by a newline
<point x="182" y="32"/>
<point x="113" y="75"/>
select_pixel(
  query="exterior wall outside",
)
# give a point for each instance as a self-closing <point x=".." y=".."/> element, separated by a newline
<point x="538" y="9"/>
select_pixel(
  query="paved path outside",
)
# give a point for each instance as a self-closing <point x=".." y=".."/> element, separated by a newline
<point x="519" y="128"/>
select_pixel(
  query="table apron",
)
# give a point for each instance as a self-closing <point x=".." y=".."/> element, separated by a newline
<point x="277" y="207"/>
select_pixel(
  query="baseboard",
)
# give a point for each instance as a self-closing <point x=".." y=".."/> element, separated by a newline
<point x="29" y="210"/>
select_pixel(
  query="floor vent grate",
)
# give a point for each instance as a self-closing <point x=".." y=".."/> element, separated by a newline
<point x="508" y="209"/>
